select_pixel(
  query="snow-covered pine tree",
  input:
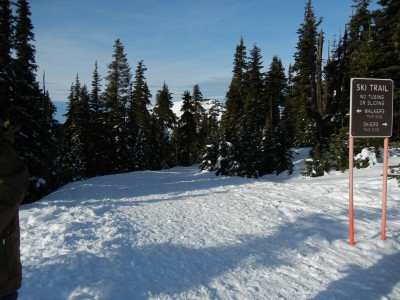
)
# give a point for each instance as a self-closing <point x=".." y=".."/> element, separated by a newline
<point x="309" y="109"/>
<point x="232" y="118"/>
<point x="164" y="122"/>
<point x="210" y="128"/>
<point x="303" y="91"/>
<point x="359" y="48"/>
<point x="141" y="123"/>
<point x="7" y="75"/>
<point x="226" y="163"/>
<point x="276" y="142"/>
<point x="360" y="57"/>
<point x="351" y="57"/>
<point x="255" y="112"/>
<point x="200" y="119"/>
<point x="116" y="96"/>
<point x="36" y="138"/>
<point x="73" y="159"/>
<point x="186" y="132"/>
<point x="385" y="45"/>
<point x="98" y="132"/>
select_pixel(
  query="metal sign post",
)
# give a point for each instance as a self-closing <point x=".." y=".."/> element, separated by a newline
<point x="371" y="116"/>
<point x="351" y="211"/>
<point x="384" y="192"/>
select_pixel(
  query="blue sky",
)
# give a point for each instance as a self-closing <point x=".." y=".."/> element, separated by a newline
<point x="182" y="42"/>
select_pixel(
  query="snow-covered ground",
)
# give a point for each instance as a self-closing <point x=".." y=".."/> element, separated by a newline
<point x="186" y="234"/>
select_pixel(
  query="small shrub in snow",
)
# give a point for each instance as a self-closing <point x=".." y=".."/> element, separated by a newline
<point x="365" y="159"/>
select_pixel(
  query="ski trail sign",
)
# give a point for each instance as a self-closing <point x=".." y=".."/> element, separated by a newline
<point x="371" y="116"/>
<point x="371" y="107"/>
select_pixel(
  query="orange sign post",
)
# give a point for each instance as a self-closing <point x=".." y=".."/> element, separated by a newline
<point x="371" y="116"/>
<point x="384" y="193"/>
<point x="351" y="211"/>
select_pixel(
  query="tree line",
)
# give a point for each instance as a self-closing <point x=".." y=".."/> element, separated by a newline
<point x="110" y="129"/>
<point x="114" y="131"/>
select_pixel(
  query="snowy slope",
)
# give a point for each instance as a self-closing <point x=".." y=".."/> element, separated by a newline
<point x="186" y="234"/>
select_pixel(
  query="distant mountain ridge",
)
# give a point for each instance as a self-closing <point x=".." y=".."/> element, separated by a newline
<point x="211" y="106"/>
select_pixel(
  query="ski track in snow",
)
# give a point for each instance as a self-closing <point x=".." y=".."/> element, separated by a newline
<point x="186" y="234"/>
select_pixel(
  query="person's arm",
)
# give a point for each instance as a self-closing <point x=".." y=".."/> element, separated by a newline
<point x="13" y="183"/>
<point x="6" y="215"/>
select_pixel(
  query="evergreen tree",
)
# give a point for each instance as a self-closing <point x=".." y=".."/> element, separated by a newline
<point x="317" y="162"/>
<point x="98" y="132"/>
<point x="385" y="50"/>
<point x="255" y="112"/>
<point x="347" y="60"/>
<point x="360" y="53"/>
<point x="48" y="107"/>
<point x="283" y="145"/>
<point x="78" y="152"/>
<point x="276" y="87"/>
<point x="24" y="37"/>
<point x="6" y="36"/>
<point x="307" y="121"/>
<point x="210" y="129"/>
<point x="115" y="97"/>
<point x="116" y="93"/>
<point x="276" y="142"/>
<point x="164" y="123"/>
<point x="339" y="149"/>
<point x="226" y="163"/>
<point x="82" y="134"/>
<point x="141" y="122"/>
<point x="289" y="106"/>
<point x="197" y="98"/>
<point x="186" y="132"/>
<point x="235" y="97"/>
<point x="341" y="81"/>
<point x="209" y="158"/>
<point x="337" y="83"/>
<point x="36" y="139"/>
<point x="55" y="135"/>
<point x="200" y="120"/>
<point x="74" y="161"/>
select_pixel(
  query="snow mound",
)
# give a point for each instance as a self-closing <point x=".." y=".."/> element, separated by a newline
<point x="365" y="154"/>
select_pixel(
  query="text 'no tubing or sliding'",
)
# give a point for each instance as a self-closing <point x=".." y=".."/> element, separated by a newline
<point x="371" y="107"/>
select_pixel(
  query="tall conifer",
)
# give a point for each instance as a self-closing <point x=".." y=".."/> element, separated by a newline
<point x="98" y="131"/>
<point x="6" y="68"/>
<point x="186" y="132"/>
<point x="360" y="40"/>
<point x="115" y="97"/>
<point x="307" y="129"/>
<point x="141" y="121"/>
<point x="386" y="51"/>
<point x="73" y="161"/>
<point x="36" y="139"/>
<point x="276" y="141"/>
<point x="164" y="122"/>
<point x="200" y="120"/>
<point x="255" y="112"/>
<point x="236" y="95"/>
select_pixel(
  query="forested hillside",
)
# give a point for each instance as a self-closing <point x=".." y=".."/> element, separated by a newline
<point x="268" y="111"/>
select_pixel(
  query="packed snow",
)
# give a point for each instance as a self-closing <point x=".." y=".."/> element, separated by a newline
<point x="186" y="234"/>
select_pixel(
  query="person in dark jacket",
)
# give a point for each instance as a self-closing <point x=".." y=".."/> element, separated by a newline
<point x="13" y="186"/>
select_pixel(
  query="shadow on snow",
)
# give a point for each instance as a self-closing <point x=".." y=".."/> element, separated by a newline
<point x="371" y="283"/>
<point x="141" y="272"/>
